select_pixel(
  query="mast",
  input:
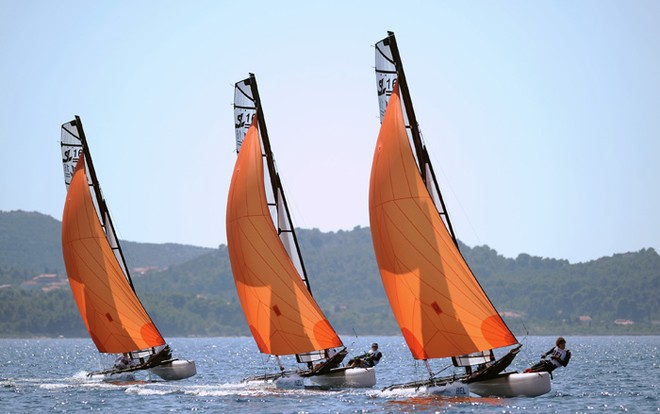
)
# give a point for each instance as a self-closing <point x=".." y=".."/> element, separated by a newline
<point x="420" y="149"/>
<point x="276" y="184"/>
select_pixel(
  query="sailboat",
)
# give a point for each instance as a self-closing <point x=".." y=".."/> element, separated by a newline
<point x="440" y="307"/>
<point x="268" y="268"/>
<point x="100" y="281"/>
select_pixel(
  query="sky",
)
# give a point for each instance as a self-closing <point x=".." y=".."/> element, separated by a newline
<point x="542" y="118"/>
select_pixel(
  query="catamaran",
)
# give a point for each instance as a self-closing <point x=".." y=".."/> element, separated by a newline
<point x="100" y="281"/>
<point x="438" y="303"/>
<point x="268" y="268"/>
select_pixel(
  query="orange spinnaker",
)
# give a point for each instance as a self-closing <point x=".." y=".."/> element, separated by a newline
<point x="112" y="313"/>
<point x="282" y="315"/>
<point x="440" y="307"/>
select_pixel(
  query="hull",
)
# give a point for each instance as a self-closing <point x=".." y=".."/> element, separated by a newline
<point x="121" y="377"/>
<point x="175" y="370"/>
<point x="447" y="387"/>
<point x="292" y="382"/>
<point x="513" y="385"/>
<point x="454" y="389"/>
<point x="346" y="378"/>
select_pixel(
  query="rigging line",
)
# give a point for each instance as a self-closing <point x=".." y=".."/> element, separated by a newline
<point x="294" y="211"/>
<point x="118" y="240"/>
<point x="434" y="374"/>
<point x="438" y="165"/>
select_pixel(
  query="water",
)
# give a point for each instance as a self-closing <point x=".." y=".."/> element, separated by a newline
<point x="606" y="374"/>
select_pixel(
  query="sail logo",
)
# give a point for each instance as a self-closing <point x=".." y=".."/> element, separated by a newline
<point x="386" y="85"/>
<point x="67" y="156"/>
<point x="70" y="160"/>
<point x="71" y="155"/>
<point x="244" y="119"/>
<point x="240" y="122"/>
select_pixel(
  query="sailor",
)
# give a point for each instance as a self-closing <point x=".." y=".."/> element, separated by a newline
<point x="123" y="361"/>
<point x="374" y="355"/>
<point x="367" y="360"/>
<point x="559" y="357"/>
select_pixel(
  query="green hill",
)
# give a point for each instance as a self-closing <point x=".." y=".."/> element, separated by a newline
<point x="611" y="295"/>
<point x="31" y="243"/>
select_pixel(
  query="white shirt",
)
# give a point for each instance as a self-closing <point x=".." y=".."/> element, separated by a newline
<point x="557" y="352"/>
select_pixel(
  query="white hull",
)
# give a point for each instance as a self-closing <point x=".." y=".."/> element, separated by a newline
<point x="346" y="378"/>
<point x="123" y="377"/>
<point x="292" y="382"/>
<point x="175" y="370"/>
<point x="453" y="389"/>
<point x="530" y="384"/>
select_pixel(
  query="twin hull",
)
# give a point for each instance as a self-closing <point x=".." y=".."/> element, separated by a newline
<point x="339" y="378"/>
<point x="515" y="384"/>
<point x="346" y="377"/>
<point x="175" y="370"/>
<point x="506" y="385"/>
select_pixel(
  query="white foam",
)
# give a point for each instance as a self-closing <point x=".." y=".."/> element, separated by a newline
<point x="142" y="390"/>
<point x="54" y="386"/>
<point x="398" y="392"/>
<point x="80" y="376"/>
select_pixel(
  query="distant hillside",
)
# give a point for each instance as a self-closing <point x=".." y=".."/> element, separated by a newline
<point x="31" y="243"/>
<point x="611" y="295"/>
<point x="536" y="295"/>
<point x="623" y="288"/>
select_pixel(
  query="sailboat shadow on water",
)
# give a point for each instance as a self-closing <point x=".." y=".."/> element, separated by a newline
<point x="267" y="265"/>
<point x="438" y="303"/>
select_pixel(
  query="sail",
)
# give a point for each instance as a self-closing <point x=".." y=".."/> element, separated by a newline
<point x="115" y="319"/>
<point x="266" y="262"/>
<point x="280" y="311"/>
<point x="439" y="305"/>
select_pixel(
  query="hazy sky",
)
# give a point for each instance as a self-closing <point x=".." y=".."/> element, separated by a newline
<point x="542" y="118"/>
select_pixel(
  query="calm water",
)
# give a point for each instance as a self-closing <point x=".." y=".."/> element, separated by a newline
<point x="37" y="375"/>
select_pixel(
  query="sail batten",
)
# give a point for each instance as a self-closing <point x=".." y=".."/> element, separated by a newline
<point x="438" y="303"/>
<point x="282" y="315"/>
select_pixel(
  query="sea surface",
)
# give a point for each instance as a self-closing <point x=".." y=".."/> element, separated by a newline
<point x="605" y="374"/>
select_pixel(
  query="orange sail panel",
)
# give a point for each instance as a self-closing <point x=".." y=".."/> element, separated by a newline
<point x="282" y="315"/>
<point x="440" y="307"/>
<point x="112" y="313"/>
